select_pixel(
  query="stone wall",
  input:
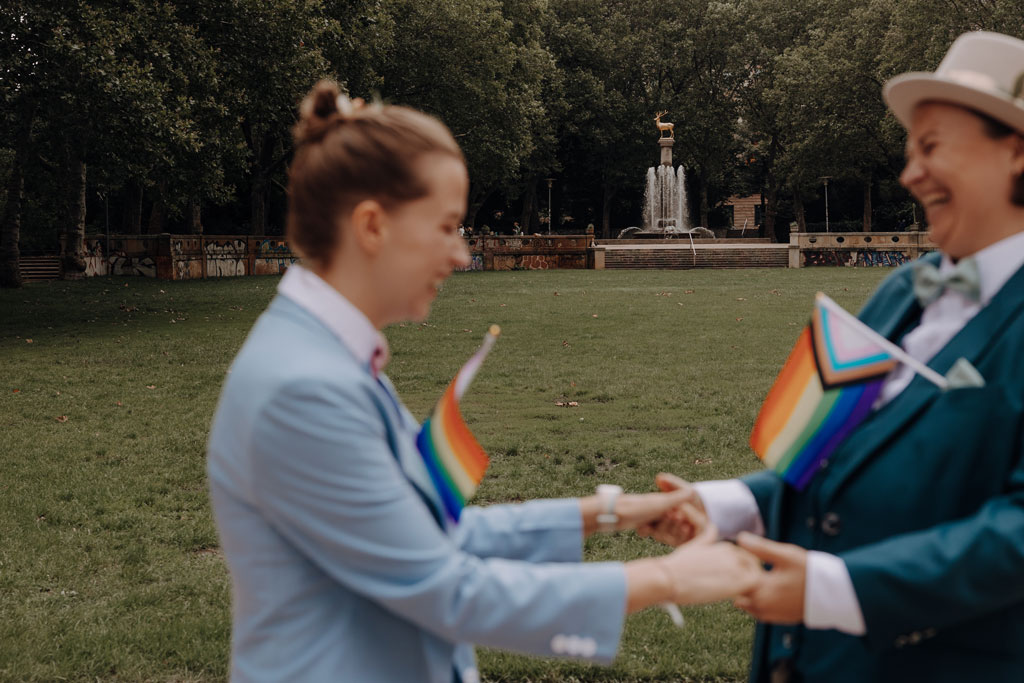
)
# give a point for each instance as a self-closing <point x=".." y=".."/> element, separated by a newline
<point x="531" y="252"/>
<point x="186" y="257"/>
<point x="856" y="249"/>
<point x="190" y="257"/>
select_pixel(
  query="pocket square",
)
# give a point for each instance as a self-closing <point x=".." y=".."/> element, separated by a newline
<point x="964" y="375"/>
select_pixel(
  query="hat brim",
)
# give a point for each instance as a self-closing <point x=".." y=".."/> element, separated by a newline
<point x="906" y="91"/>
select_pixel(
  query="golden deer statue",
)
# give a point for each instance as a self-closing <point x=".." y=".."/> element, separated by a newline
<point x="664" y="127"/>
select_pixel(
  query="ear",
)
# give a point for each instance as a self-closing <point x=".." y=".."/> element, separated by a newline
<point x="367" y="226"/>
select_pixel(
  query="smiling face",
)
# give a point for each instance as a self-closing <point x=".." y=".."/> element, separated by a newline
<point x="962" y="177"/>
<point x="421" y="243"/>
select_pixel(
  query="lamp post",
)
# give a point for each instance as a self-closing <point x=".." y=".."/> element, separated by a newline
<point x="825" y="179"/>
<point x="551" y="181"/>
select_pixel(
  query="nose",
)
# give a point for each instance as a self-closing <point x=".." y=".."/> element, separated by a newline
<point x="912" y="173"/>
<point x="460" y="256"/>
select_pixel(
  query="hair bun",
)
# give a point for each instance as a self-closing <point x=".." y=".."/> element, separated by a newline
<point x="317" y="113"/>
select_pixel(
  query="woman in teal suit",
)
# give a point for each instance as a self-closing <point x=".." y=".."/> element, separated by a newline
<point x="903" y="560"/>
<point x="342" y="565"/>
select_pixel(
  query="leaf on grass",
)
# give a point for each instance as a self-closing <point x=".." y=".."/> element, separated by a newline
<point x="574" y="404"/>
<point x="556" y="293"/>
<point x="62" y="418"/>
<point x="566" y="344"/>
<point x="118" y="403"/>
<point x="503" y="305"/>
<point x="702" y="461"/>
<point x="740" y="298"/>
<point x="466" y="329"/>
<point x="688" y="291"/>
<point x="738" y="319"/>
<point x="28" y="341"/>
<point x="594" y="316"/>
<point x="151" y="386"/>
<point x="16" y="391"/>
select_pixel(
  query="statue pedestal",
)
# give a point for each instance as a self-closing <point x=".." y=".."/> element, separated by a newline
<point x="666" y="150"/>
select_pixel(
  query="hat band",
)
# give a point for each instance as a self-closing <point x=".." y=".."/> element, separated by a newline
<point x="976" y="80"/>
<point x="982" y="81"/>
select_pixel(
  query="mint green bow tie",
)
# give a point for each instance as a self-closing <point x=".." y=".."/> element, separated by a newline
<point x="929" y="283"/>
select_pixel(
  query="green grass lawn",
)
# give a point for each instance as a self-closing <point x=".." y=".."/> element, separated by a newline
<point x="109" y="567"/>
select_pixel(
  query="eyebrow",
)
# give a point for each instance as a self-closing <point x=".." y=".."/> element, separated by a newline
<point x="920" y="141"/>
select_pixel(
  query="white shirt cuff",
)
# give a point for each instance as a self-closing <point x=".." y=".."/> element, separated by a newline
<point x="731" y="507"/>
<point x="829" y="598"/>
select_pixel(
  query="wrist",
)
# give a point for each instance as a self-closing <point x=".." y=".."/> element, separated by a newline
<point x="648" y="582"/>
<point x="608" y="497"/>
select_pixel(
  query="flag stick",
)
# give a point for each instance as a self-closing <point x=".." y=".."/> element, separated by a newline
<point x="468" y="371"/>
<point x="901" y="355"/>
<point x="674" y="613"/>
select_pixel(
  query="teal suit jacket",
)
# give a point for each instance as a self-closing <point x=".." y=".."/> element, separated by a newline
<point x="340" y="570"/>
<point x="925" y="504"/>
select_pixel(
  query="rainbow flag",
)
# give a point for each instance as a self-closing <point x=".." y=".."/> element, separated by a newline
<point x="454" y="459"/>
<point x="825" y="389"/>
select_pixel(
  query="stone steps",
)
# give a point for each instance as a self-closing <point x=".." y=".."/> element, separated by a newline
<point x="775" y="257"/>
<point x="39" y="268"/>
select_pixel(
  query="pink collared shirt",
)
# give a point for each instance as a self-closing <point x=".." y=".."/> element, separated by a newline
<point x="338" y="314"/>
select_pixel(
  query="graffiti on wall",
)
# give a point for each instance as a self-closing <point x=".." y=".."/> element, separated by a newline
<point x="185" y="258"/>
<point x="881" y="258"/>
<point x="225" y="258"/>
<point x="118" y="263"/>
<point x="525" y="261"/>
<point x="476" y="262"/>
<point x="272" y="257"/>
<point x="854" y="257"/>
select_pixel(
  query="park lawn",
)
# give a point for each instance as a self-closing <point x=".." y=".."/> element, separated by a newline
<point x="109" y="566"/>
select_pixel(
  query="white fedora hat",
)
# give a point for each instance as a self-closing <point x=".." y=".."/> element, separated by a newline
<point x="983" y="71"/>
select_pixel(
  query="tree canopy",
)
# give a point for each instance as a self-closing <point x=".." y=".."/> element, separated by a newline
<point x="157" y="116"/>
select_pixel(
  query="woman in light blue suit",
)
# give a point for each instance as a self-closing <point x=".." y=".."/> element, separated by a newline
<point x="342" y="566"/>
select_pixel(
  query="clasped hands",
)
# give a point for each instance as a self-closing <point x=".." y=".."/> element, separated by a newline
<point x="704" y="569"/>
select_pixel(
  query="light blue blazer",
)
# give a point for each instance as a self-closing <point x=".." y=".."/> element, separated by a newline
<point x="340" y="570"/>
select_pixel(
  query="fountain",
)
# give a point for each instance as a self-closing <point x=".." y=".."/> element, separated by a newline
<point x="665" y="208"/>
<point x="666" y="213"/>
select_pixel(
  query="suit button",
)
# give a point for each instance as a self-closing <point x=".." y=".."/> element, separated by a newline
<point x="811" y="522"/>
<point x="787" y="641"/>
<point x="830" y="524"/>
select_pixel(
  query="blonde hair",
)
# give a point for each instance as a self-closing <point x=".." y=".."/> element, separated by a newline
<point x="347" y="152"/>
